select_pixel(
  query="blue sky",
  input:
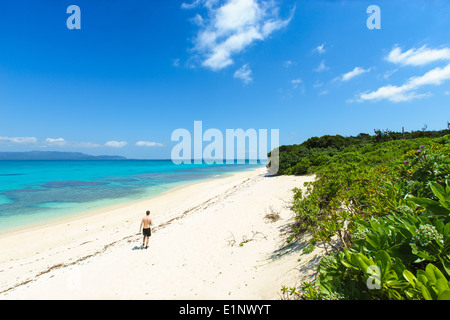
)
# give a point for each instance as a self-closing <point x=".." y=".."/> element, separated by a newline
<point x="138" y="70"/>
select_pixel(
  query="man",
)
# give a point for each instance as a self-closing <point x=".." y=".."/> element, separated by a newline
<point x="147" y="232"/>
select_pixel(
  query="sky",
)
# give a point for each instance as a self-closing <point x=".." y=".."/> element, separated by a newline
<point x="135" y="71"/>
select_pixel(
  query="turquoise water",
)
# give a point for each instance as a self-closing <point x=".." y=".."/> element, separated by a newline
<point x="36" y="191"/>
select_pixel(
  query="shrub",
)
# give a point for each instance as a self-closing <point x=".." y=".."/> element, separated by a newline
<point x="381" y="210"/>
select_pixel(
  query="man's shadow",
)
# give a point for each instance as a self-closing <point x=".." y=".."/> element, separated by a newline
<point x="138" y="248"/>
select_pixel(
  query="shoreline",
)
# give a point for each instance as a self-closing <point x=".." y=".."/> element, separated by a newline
<point x="107" y="206"/>
<point x="189" y="215"/>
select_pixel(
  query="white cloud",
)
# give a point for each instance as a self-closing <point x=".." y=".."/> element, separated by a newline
<point x="176" y="62"/>
<point x="320" y="49"/>
<point x="318" y="84"/>
<point x="115" y="144"/>
<point x="321" y="67"/>
<point x="244" y="73"/>
<point x="407" y="91"/>
<point x="418" y="57"/>
<point x="197" y="20"/>
<point x="389" y="73"/>
<point x="194" y="4"/>
<point x="232" y="26"/>
<point x="86" y="145"/>
<point x="354" y="73"/>
<point x="296" y="82"/>
<point x="57" y="142"/>
<point x="148" y="144"/>
<point x="19" y="140"/>
<point x="288" y="63"/>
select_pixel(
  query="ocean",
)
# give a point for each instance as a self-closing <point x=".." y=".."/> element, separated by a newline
<point x="39" y="191"/>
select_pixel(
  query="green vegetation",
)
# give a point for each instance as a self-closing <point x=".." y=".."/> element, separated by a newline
<point x="380" y="206"/>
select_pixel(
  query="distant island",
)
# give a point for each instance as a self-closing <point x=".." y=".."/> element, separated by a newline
<point x="54" y="155"/>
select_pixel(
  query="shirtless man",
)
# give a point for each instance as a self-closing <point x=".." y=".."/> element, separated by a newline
<point x="147" y="232"/>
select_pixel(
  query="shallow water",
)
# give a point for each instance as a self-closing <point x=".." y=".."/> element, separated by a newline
<point x="36" y="191"/>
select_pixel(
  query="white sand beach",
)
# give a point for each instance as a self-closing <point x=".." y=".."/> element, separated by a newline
<point x="210" y="240"/>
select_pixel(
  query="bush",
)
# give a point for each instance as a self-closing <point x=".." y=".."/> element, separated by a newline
<point x="382" y="212"/>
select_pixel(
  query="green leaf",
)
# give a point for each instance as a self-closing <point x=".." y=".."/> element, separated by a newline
<point x="423" y="254"/>
<point x="446" y="229"/>
<point x="401" y="251"/>
<point x="409" y="277"/>
<point x="383" y="261"/>
<point x="444" y="295"/>
<point x="398" y="267"/>
<point x="430" y="273"/>
<point x="363" y="262"/>
<point x="426" y="294"/>
<point x="373" y="241"/>
<point x="434" y="207"/>
<point x="439" y="191"/>
<point x="446" y="264"/>
<point x="394" y="295"/>
<point x="434" y="274"/>
<point x="421" y="277"/>
<point x="397" y="284"/>
<point x="409" y="294"/>
<point x="442" y="285"/>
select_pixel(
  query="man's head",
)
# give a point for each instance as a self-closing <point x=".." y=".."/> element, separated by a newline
<point x="148" y="212"/>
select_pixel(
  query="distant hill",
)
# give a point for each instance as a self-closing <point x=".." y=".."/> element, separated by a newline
<point x="53" y="155"/>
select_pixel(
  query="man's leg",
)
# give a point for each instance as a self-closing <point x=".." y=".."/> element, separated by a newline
<point x="148" y="238"/>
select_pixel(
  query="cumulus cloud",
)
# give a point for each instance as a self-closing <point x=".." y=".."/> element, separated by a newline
<point x="194" y="4"/>
<point x="244" y="73"/>
<point x="231" y="26"/>
<point x="176" y="62"/>
<point x="417" y="57"/>
<point x="321" y="67"/>
<point x="116" y="144"/>
<point x="296" y="82"/>
<point x="57" y="142"/>
<point x="288" y="63"/>
<point x="354" y="73"/>
<point x="19" y="140"/>
<point x="408" y="91"/>
<point x="320" y="49"/>
<point x="85" y="144"/>
<point x="148" y="144"/>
